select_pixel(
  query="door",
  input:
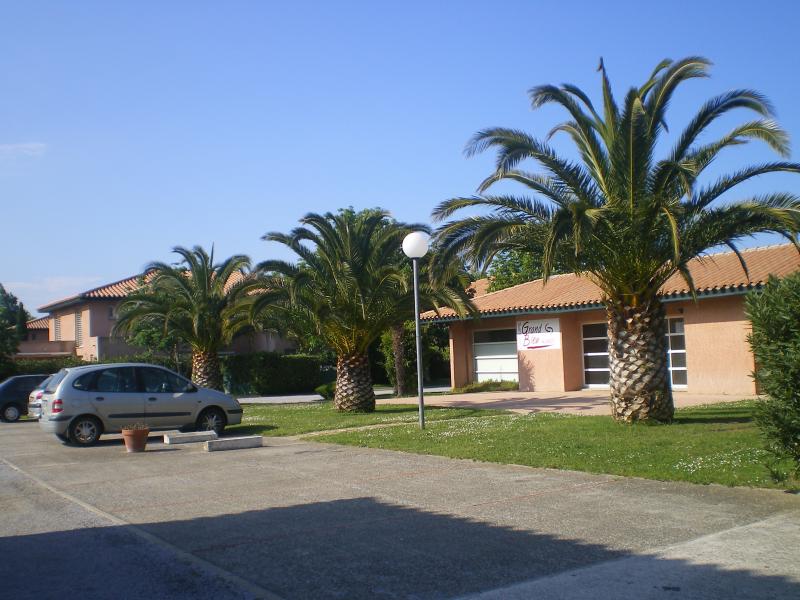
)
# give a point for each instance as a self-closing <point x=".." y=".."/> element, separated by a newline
<point x="168" y="404"/>
<point x="114" y="392"/>
<point x="495" y="355"/>
<point x="596" y="371"/>
<point x="676" y="347"/>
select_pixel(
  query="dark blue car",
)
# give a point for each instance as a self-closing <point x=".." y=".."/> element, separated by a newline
<point x="14" y="393"/>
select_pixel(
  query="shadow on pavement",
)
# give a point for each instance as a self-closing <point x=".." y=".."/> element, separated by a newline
<point x="352" y="548"/>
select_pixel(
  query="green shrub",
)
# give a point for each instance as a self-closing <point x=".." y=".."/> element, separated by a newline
<point x="775" y="341"/>
<point x="31" y="366"/>
<point x="326" y="390"/>
<point x="435" y="354"/>
<point x="267" y="373"/>
<point x="183" y="365"/>
<point x="490" y="385"/>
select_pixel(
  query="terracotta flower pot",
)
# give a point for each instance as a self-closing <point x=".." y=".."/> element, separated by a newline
<point x="135" y="439"/>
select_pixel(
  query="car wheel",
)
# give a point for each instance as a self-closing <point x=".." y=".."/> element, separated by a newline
<point x="85" y="431"/>
<point x="11" y="413"/>
<point x="211" y="419"/>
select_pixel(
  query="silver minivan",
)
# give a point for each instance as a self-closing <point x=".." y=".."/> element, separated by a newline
<point x="79" y="404"/>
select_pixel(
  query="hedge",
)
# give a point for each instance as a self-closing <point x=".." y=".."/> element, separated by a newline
<point x="775" y="341"/>
<point x="33" y="366"/>
<point x="269" y="373"/>
<point x="30" y="366"/>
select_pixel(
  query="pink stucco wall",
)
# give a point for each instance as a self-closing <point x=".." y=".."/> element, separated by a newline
<point x="719" y="360"/>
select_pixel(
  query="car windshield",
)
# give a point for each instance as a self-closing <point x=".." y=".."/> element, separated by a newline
<point x="43" y="385"/>
<point x="55" y="380"/>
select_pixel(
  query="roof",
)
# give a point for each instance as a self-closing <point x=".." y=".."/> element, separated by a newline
<point x="111" y="291"/>
<point x="40" y="323"/>
<point x="719" y="273"/>
<point x="479" y="287"/>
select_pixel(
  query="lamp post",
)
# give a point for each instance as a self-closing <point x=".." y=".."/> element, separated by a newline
<point x="415" y="246"/>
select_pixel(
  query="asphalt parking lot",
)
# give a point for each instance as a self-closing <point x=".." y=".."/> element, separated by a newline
<point x="298" y="519"/>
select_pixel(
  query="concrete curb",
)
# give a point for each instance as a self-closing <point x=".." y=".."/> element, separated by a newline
<point x="236" y="443"/>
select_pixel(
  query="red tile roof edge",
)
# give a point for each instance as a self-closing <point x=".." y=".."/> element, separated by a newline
<point x="515" y="306"/>
<point x="39" y="323"/>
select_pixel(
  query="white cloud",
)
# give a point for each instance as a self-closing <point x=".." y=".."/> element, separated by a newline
<point x="23" y="150"/>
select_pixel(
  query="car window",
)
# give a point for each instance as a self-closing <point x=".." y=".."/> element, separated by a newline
<point x="25" y="384"/>
<point x="179" y="384"/>
<point x="156" y="381"/>
<point x="57" y="378"/>
<point x="43" y="385"/>
<point x="116" y="380"/>
<point x="84" y="382"/>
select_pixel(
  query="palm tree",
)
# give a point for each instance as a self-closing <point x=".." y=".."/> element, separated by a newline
<point x="441" y="285"/>
<point x="202" y="303"/>
<point x="623" y="217"/>
<point x="350" y="285"/>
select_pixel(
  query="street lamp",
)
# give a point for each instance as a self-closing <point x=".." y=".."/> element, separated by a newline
<point x="415" y="246"/>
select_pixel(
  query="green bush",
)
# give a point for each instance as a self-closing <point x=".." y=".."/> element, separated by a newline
<point x="31" y="366"/>
<point x="775" y="341"/>
<point x="326" y="390"/>
<point x="183" y="366"/>
<point x="435" y="354"/>
<point x="267" y="373"/>
<point x="487" y="386"/>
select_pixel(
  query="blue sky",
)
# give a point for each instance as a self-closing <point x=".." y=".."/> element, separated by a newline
<point x="129" y="128"/>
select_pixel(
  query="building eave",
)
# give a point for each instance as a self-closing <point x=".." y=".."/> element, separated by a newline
<point x="513" y="312"/>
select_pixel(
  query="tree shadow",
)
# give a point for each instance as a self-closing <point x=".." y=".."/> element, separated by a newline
<point x="237" y="430"/>
<point x="350" y="548"/>
<point x="731" y="414"/>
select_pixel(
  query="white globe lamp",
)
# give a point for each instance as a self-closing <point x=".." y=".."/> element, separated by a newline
<point x="415" y="244"/>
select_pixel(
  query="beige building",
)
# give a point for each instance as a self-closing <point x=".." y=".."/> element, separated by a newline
<point x="82" y="325"/>
<point x="553" y="337"/>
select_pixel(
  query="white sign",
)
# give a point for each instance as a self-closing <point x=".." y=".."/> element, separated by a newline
<point x="539" y="334"/>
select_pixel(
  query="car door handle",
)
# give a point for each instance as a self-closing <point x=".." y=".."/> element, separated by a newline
<point x="152" y="399"/>
<point x="99" y="398"/>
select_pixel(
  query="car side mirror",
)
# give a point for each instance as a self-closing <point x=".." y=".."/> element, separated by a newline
<point x="191" y="388"/>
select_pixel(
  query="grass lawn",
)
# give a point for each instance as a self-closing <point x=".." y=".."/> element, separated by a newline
<point x="717" y="443"/>
<point x="293" y="419"/>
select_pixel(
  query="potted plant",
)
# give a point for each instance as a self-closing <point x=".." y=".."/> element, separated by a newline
<point x="135" y="436"/>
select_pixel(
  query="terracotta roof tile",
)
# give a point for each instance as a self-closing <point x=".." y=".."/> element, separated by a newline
<point x="40" y="323"/>
<point x="712" y="273"/>
<point x="479" y="287"/>
<point x="111" y="291"/>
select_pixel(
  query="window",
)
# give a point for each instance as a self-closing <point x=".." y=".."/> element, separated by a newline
<point x="55" y="380"/>
<point x="111" y="315"/>
<point x="595" y="354"/>
<point x="495" y="335"/>
<point x="78" y="329"/>
<point x="84" y="382"/>
<point x="116" y="380"/>
<point x="676" y="348"/>
<point x="57" y="328"/>
<point x="160" y="381"/>
<point x="495" y="355"/>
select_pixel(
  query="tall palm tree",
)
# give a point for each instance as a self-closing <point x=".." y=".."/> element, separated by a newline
<point x="623" y="217"/>
<point x="441" y="285"/>
<point x="204" y="304"/>
<point x="349" y="284"/>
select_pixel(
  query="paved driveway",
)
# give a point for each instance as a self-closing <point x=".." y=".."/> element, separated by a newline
<point x="582" y="402"/>
<point x="306" y="520"/>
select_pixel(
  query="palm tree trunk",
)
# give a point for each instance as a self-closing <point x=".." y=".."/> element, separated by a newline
<point x="400" y="379"/>
<point x="354" y="391"/>
<point x="637" y="348"/>
<point x="206" y="371"/>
